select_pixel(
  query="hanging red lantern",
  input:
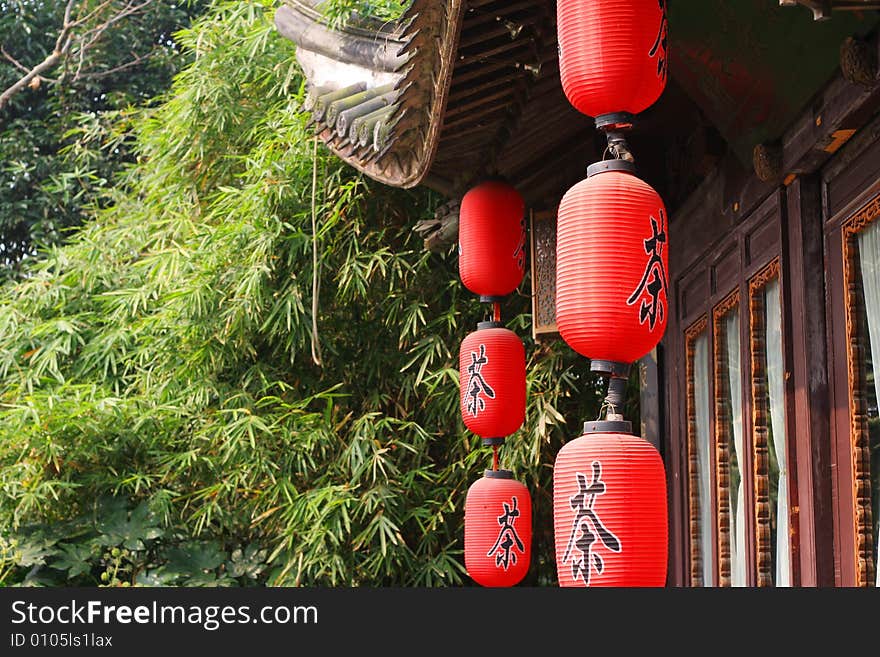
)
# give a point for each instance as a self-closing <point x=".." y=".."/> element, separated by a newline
<point x="611" y="265"/>
<point x="492" y="239"/>
<point x="610" y="510"/>
<point x="497" y="530"/>
<point x="613" y="55"/>
<point x="492" y="377"/>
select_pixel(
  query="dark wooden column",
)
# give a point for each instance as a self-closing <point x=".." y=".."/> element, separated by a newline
<point x="808" y="413"/>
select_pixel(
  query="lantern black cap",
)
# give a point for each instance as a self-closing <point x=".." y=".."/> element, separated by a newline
<point x="608" y="426"/>
<point x="610" y="165"/>
<point x="498" y="474"/>
<point x="615" y="121"/>
<point x="611" y="368"/>
<point x="488" y="298"/>
<point x="493" y="442"/>
<point x="489" y="325"/>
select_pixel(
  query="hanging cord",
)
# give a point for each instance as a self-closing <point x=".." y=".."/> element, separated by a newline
<point x="497" y="311"/>
<point x="495" y="457"/>
<point x="612" y="405"/>
<point x="316" y="274"/>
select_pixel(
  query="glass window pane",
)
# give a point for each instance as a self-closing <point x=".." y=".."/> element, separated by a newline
<point x="776" y="439"/>
<point x="703" y="445"/>
<point x="869" y="258"/>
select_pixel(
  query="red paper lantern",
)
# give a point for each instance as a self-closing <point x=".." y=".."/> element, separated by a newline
<point x="497" y="530"/>
<point x="492" y="376"/>
<point x="609" y="510"/>
<point x="613" y="54"/>
<point x="492" y="239"/>
<point x="611" y="265"/>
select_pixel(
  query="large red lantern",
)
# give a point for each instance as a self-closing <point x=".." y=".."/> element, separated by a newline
<point x="613" y="55"/>
<point x="491" y="247"/>
<point x="497" y="530"/>
<point x="492" y="375"/>
<point x="611" y="265"/>
<point x="609" y="510"/>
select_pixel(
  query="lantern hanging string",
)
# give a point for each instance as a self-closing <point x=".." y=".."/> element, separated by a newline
<point x="497" y="311"/>
<point x="495" y="457"/>
<point x="316" y="279"/>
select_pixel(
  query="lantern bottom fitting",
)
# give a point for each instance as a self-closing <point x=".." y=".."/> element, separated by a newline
<point x="615" y="121"/>
<point x="486" y="298"/>
<point x="608" y="426"/>
<point x="492" y="442"/>
<point x="611" y="368"/>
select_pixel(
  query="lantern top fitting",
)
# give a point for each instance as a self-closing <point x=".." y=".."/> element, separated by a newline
<point x="490" y="324"/>
<point x="610" y="165"/>
<point x="608" y="426"/>
<point x="498" y="474"/>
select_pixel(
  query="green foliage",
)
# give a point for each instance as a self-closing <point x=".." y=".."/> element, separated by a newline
<point x="161" y="362"/>
<point x="63" y="139"/>
<point x="348" y="11"/>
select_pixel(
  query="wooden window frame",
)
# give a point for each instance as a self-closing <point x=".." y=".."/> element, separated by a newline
<point x="695" y="331"/>
<point x="860" y="455"/>
<point x="760" y="416"/>
<point x="722" y="436"/>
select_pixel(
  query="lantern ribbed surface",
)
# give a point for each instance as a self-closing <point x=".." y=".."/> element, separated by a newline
<point x="610" y="512"/>
<point x="492" y="377"/>
<point x="497" y="530"/>
<point x="491" y="233"/>
<point x="611" y="267"/>
<point x="612" y="54"/>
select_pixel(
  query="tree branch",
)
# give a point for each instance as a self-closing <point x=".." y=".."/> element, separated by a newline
<point x="68" y="36"/>
<point x="15" y="62"/>
<point x="97" y="75"/>
<point x="62" y="45"/>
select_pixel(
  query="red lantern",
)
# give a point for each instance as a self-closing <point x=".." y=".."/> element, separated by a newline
<point x="611" y="265"/>
<point x="491" y="247"/>
<point x="609" y="510"/>
<point x="613" y="55"/>
<point x="492" y="376"/>
<point x="497" y="530"/>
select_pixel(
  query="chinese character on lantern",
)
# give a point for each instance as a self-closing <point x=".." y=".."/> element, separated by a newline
<point x="507" y="537"/>
<point x="477" y="386"/>
<point x="654" y="280"/>
<point x="590" y="526"/>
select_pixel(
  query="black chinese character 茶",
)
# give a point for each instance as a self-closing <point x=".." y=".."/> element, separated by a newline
<point x="507" y="537"/>
<point x="476" y="385"/>
<point x="520" y="253"/>
<point x="660" y="49"/>
<point x="587" y="527"/>
<point x="654" y="280"/>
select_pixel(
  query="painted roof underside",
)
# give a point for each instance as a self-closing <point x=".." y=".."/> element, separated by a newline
<point x="474" y="88"/>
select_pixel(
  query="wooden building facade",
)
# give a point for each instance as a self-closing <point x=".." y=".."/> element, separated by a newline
<point x="766" y="149"/>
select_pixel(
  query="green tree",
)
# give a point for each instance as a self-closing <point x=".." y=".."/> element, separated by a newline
<point x="169" y="413"/>
<point x="70" y="74"/>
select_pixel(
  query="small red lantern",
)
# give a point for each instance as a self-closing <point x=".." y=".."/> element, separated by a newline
<point x="609" y="510"/>
<point x="613" y="55"/>
<point x="492" y="376"/>
<point x="497" y="530"/>
<point x="492" y="239"/>
<point x="611" y="265"/>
